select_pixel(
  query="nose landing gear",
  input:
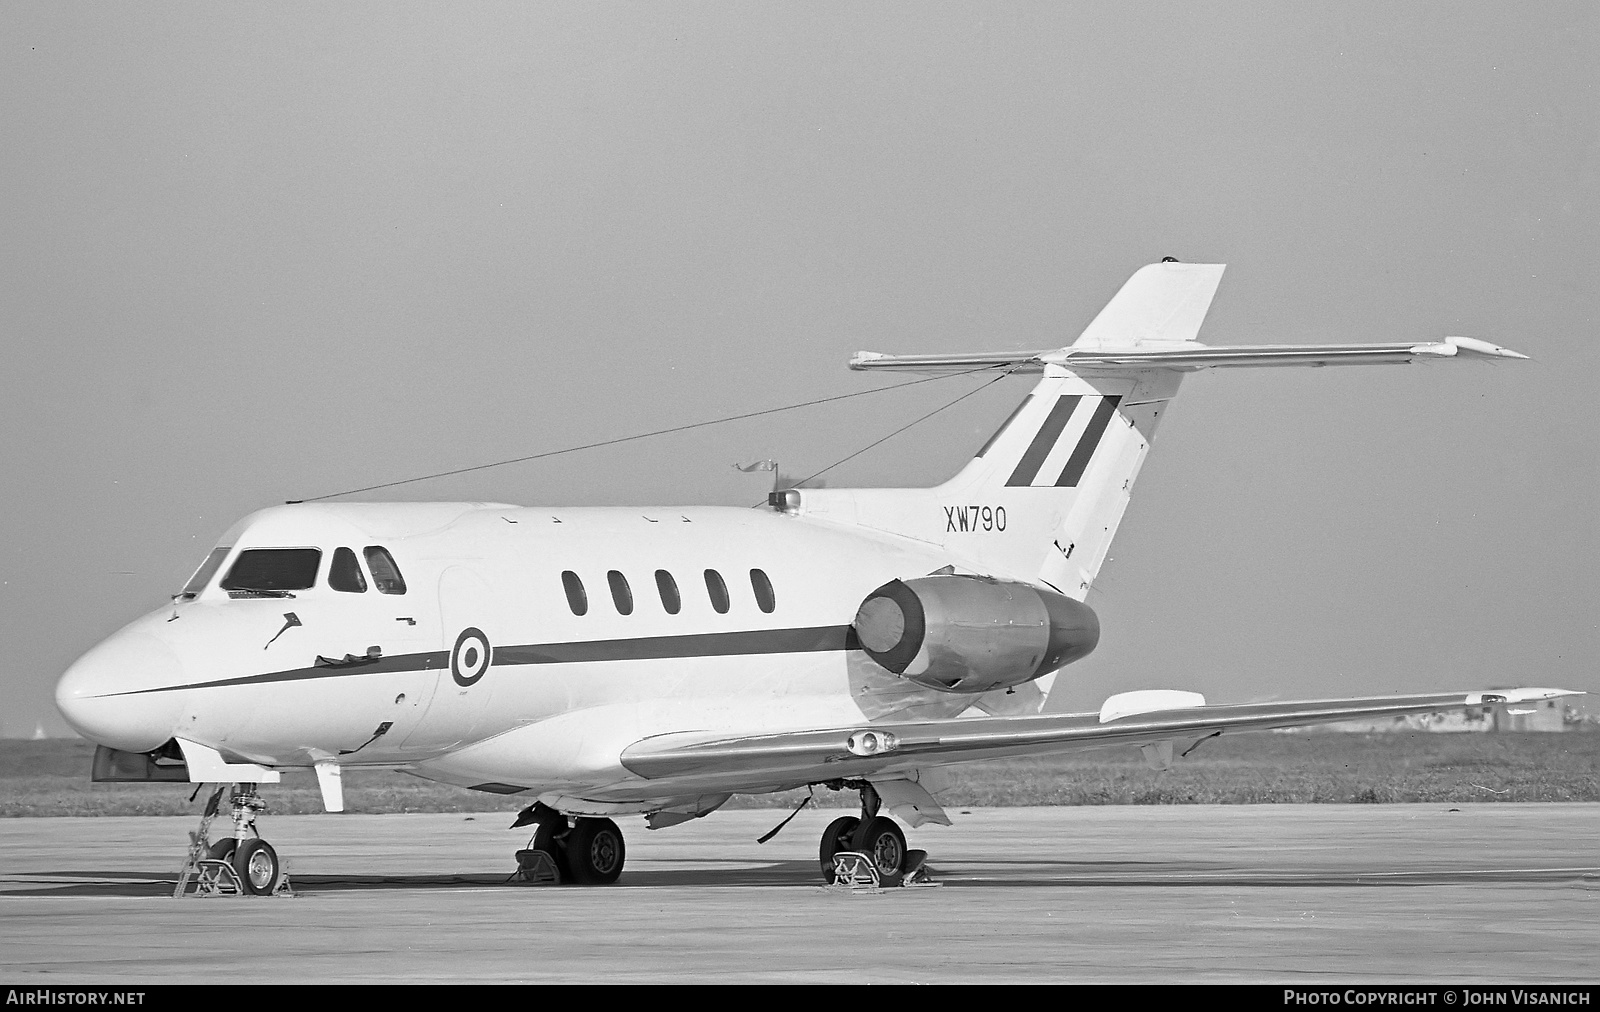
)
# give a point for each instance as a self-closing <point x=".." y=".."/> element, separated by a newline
<point x="242" y="864"/>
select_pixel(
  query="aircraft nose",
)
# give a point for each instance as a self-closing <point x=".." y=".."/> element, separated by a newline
<point x="105" y="696"/>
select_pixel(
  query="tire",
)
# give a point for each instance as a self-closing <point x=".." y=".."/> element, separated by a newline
<point x="836" y="837"/>
<point x="257" y="865"/>
<point x="222" y="850"/>
<point x="552" y="830"/>
<point x="881" y="840"/>
<point x="595" y="852"/>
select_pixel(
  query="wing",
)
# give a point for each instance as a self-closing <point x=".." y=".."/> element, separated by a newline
<point x="884" y="748"/>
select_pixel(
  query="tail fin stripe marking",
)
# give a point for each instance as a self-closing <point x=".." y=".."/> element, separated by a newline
<point x="1044" y="441"/>
<point x="1086" y="445"/>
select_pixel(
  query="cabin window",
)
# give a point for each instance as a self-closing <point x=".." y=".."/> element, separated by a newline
<point x="621" y="594"/>
<point x="668" y="588"/>
<point x="345" y="572"/>
<point x="763" y="588"/>
<point x="273" y="569"/>
<point x="385" y="574"/>
<point x="717" y="590"/>
<point x="207" y="570"/>
<point x="577" y="599"/>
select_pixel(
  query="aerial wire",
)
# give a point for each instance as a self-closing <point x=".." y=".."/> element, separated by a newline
<point x="914" y="421"/>
<point x="685" y="428"/>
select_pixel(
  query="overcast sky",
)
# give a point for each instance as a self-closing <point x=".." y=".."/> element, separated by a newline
<point x="251" y="253"/>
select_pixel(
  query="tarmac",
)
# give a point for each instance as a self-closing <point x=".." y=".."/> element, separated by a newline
<point x="1496" y="893"/>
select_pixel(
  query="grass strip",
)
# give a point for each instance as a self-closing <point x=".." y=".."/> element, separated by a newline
<point x="52" y="778"/>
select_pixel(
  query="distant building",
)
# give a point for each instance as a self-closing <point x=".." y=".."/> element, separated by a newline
<point x="1541" y="715"/>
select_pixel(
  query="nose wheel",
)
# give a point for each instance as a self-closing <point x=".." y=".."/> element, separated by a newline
<point x="242" y="864"/>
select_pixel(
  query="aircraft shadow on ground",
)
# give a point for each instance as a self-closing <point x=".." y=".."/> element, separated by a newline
<point x="986" y="874"/>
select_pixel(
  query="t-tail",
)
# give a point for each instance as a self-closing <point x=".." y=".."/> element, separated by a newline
<point x="1041" y="501"/>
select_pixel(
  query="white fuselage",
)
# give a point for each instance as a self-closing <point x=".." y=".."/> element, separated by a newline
<point x="231" y="671"/>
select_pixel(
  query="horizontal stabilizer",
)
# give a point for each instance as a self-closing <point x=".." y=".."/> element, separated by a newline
<point x="1190" y="356"/>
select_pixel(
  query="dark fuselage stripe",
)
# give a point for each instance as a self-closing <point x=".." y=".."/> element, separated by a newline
<point x="388" y="665"/>
<point x="753" y="641"/>
<point x="748" y="642"/>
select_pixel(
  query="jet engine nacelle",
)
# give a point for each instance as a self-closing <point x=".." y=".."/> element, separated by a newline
<point x="971" y="633"/>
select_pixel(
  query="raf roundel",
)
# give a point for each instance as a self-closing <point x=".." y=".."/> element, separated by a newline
<point x="470" y="658"/>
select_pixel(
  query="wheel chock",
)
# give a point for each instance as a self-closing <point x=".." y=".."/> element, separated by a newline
<point x="855" y="872"/>
<point x="283" y="887"/>
<point x="536" y="867"/>
<point x="216" y="878"/>
<point x="212" y="877"/>
<point x="915" y="875"/>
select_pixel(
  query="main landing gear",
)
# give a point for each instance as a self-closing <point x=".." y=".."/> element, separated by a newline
<point x="871" y="846"/>
<point x="241" y="864"/>
<point x="585" y="852"/>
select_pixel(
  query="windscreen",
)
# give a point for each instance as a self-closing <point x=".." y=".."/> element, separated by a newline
<point x="273" y="569"/>
<point x="207" y="570"/>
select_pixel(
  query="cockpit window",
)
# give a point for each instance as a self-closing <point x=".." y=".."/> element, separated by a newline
<point x="207" y="570"/>
<point x="273" y="569"/>
<point x="385" y="574"/>
<point x="345" y="572"/>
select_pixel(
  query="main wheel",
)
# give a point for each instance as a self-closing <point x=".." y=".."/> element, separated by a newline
<point x="881" y="840"/>
<point x="595" y="852"/>
<point x="835" y="838"/>
<point x="552" y="828"/>
<point x="257" y="865"/>
<point x="222" y="850"/>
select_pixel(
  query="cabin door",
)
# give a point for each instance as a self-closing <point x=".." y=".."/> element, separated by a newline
<point x="464" y="687"/>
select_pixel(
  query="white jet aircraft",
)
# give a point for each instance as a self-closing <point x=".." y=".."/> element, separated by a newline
<point x="657" y="661"/>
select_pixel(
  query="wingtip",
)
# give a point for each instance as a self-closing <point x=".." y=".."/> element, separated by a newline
<point x="1472" y="344"/>
<point x="1525" y="694"/>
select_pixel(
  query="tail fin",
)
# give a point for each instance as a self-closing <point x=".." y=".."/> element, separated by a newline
<point x="1162" y="303"/>
<point x="1043" y="498"/>
<point x="1062" y="467"/>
